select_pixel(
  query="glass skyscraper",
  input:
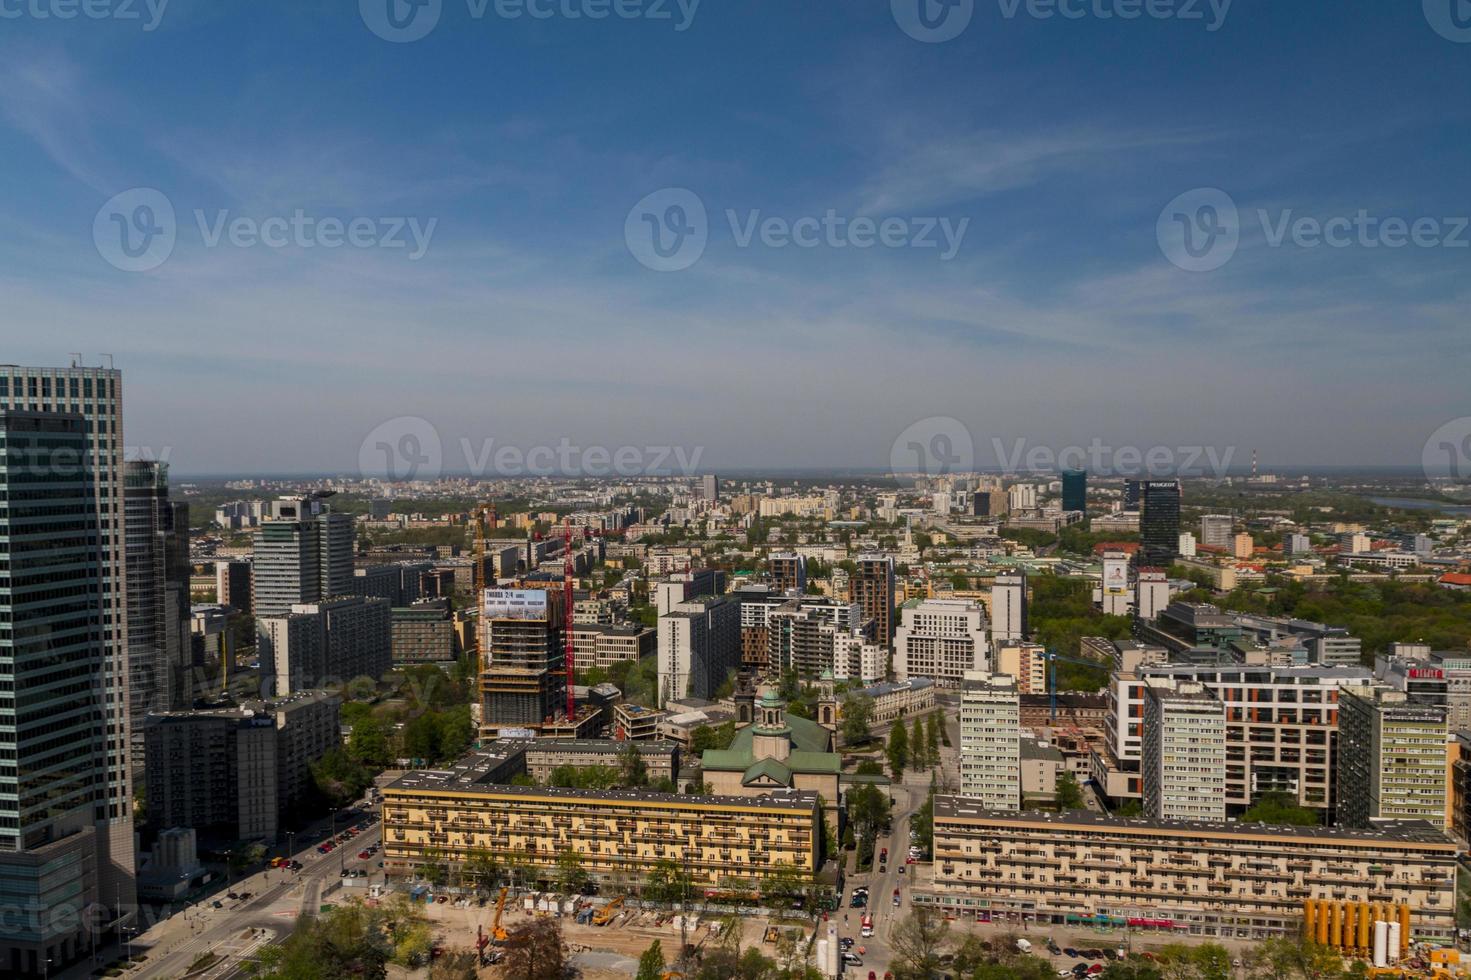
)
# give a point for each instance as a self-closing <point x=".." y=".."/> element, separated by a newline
<point x="1075" y="490"/>
<point x="1159" y="522"/>
<point x="53" y="738"/>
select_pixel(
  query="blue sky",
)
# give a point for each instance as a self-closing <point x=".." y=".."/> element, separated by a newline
<point x="526" y="142"/>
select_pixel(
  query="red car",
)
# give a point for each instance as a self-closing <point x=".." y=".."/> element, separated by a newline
<point x="363" y="855"/>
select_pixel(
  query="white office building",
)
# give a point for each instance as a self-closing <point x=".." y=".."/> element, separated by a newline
<point x="942" y="639"/>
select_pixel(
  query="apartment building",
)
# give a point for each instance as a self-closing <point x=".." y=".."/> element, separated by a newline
<point x="424" y="633"/>
<point x="621" y="835"/>
<point x="603" y="644"/>
<point x="990" y="740"/>
<point x="1281" y="726"/>
<point x="1391" y="759"/>
<point x="660" y="757"/>
<point x="1027" y="662"/>
<point x="942" y="639"/>
<point x="801" y="634"/>
<point x="236" y="772"/>
<point x="1009" y="607"/>
<point x="856" y="658"/>
<point x="788" y="572"/>
<point x="318" y="644"/>
<point x="699" y="645"/>
<point x="1183" y="761"/>
<point x="872" y="587"/>
<point x="1227" y="880"/>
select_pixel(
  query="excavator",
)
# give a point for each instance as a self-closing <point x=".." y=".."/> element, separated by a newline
<point x="606" y="913"/>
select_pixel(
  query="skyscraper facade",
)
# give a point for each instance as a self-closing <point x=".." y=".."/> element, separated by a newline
<point x="53" y="666"/>
<point x="95" y="394"/>
<point x="1075" y="490"/>
<point x="1159" y="522"/>
<point x="159" y="645"/>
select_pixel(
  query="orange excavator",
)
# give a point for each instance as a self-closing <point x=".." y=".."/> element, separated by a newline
<point x="498" y="934"/>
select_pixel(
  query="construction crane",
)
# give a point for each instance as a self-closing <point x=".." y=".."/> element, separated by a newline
<point x="498" y="934"/>
<point x="1052" y="659"/>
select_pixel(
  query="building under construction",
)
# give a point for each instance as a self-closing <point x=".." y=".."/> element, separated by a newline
<point x="523" y="679"/>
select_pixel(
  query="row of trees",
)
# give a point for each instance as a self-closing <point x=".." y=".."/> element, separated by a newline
<point x="918" y="748"/>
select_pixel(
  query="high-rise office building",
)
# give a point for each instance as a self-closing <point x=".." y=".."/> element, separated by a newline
<point x="699" y="647"/>
<point x="1216" y="530"/>
<point x="1184" y="752"/>
<point x="873" y="589"/>
<point x="159" y="645"/>
<point x="1159" y="522"/>
<point x="1075" y="490"/>
<point x="990" y="740"/>
<point x="1133" y="494"/>
<point x="710" y="487"/>
<point x="1391" y="758"/>
<point x="1009" y="607"/>
<point x="52" y="659"/>
<point x="324" y="644"/>
<point x="303" y="553"/>
<point x="96" y="395"/>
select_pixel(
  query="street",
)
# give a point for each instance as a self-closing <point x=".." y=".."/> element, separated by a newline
<point x="278" y="897"/>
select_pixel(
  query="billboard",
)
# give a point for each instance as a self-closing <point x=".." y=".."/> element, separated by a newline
<point x="1115" y="576"/>
<point x="514" y="604"/>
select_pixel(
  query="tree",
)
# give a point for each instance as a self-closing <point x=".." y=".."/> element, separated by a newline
<point x="368" y="745"/>
<point x="919" y="756"/>
<point x="666" y="883"/>
<point x="1069" y="793"/>
<point x="1277" y="807"/>
<point x="535" y="951"/>
<point x="898" y="750"/>
<point x="1290" y="959"/>
<point x="857" y="717"/>
<point x="571" y="875"/>
<point x="632" y="768"/>
<point x="651" y="963"/>
<point x="932" y="736"/>
<point x="918" y="940"/>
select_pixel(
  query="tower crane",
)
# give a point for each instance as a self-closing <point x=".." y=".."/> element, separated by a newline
<point x="1052" y="659"/>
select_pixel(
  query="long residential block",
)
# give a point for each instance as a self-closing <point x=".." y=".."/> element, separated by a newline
<point x="1228" y="879"/>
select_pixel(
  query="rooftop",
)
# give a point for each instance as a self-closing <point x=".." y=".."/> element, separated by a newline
<point x="432" y="780"/>
<point x="1389" y="831"/>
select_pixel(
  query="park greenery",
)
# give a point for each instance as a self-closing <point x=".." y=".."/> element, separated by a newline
<point x="1061" y="613"/>
<point x="350" y="940"/>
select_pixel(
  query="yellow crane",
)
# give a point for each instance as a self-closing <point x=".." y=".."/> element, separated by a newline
<point x="498" y="934"/>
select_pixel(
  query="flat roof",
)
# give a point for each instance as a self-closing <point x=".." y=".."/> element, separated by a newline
<point x="1388" y="831"/>
<point x="430" y="780"/>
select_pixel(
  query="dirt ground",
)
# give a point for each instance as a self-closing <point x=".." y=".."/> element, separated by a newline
<point x="628" y="935"/>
